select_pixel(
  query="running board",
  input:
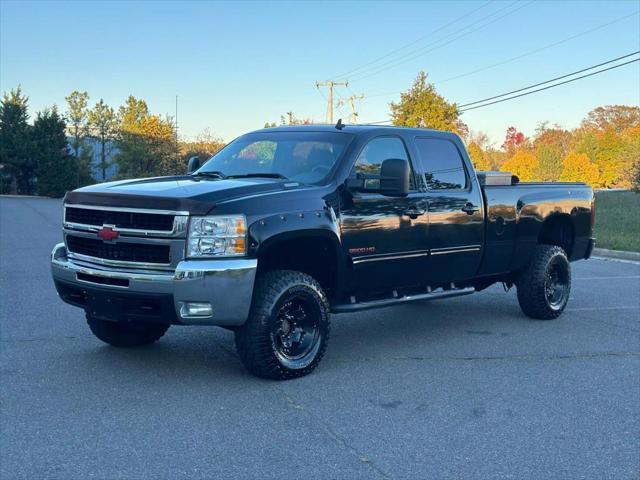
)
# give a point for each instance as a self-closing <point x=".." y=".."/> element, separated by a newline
<point x="387" y="302"/>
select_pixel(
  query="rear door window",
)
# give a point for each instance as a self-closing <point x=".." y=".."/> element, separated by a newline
<point x="442" y="164"/>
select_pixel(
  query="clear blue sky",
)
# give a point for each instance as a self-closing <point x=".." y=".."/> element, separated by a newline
<point x="236" y="65"/>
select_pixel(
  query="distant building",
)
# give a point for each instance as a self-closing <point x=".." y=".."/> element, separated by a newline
<point x="111" y="150"/>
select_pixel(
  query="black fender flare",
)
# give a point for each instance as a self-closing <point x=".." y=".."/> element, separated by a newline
<point x="271" y="230"/>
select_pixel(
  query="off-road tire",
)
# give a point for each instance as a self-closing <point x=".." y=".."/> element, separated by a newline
<point x="126" y="334"/>
<point x="255" y="342"/>
<point x="532" y="283"/>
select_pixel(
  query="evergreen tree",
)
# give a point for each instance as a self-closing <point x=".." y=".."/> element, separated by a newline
<point x="78" y="117"/>
<point x="103" y="125"/>
<point x="551" y="145"/>
<point x="550" y="158"/>
<point x="15" y="141"/>
<point x="55" y="165"/>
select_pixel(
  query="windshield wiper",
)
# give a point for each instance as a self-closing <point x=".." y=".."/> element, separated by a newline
<point x="214" y="174"/>
<point x="257" y="175"/>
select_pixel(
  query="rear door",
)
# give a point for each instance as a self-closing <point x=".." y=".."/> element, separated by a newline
<point x="456" y="217"/>
<point x="385" y="237"/>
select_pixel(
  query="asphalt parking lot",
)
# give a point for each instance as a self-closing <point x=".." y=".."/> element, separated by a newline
<point x="459" y="388"/>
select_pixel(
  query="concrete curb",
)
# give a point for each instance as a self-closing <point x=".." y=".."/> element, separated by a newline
<point x="12" y="195"/>
<point x="616" y="254"/>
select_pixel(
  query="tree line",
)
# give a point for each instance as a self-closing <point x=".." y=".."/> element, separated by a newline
<point x="54" y="153"/>
<point x="604" y="151"/>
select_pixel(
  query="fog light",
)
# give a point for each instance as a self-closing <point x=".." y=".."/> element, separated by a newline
<point x="196" y="309"/>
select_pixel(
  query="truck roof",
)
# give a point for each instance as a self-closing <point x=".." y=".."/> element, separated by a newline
<point x="352" y="129"/>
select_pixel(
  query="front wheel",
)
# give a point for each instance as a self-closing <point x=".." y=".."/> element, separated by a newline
<point x="287" y="331"/>
<point x="544" y="286"/>
<point x="126" y="334"/>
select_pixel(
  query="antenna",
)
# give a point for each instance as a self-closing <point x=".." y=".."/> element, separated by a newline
<point x="339" y="125"/>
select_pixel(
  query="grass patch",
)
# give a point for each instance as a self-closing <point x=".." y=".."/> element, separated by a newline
<point x="618" y="220"/>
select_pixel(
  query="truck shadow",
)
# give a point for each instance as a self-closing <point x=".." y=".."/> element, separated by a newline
<point x="195" y="355"/>
<point x="423" y="328"/>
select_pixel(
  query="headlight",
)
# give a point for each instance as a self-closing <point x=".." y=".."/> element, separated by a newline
<point x="217" y="236"/>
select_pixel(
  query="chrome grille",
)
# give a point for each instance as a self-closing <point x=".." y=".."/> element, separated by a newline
<point x="147" y="239"/>
<point x="122" y="252"/>
<point x="120" y="219"/>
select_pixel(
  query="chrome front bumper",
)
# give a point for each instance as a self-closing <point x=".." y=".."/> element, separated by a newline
<point x="226" y="284"/>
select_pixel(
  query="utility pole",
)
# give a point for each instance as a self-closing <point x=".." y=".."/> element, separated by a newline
<point x="353" y="119"/>
<point x="331" y="84"/>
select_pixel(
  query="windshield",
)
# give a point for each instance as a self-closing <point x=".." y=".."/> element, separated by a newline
<point x="305" y="157"/>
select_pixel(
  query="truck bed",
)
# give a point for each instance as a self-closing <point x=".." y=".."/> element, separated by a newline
<point x="515" y="214"/>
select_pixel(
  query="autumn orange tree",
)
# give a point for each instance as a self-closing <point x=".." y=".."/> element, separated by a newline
<point x="203" y="146"/>
<point x="478" y="157"/>
<point x="524" y="164"/>
<point x="146" y="142"/>
<point x="576" y="167"/>
<point x="609" y="138"/>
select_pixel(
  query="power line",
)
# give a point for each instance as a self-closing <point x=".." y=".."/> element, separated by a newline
<point x="424" y="50"/>
<point x="539" y="89"/>
<point x="373" y="70"/>
<point x="551" y="86"/>
<point x="393" y="52"/>
<point x="537" y="50"/>
<point x="549" y="81"/>
<point x="523" y="55"/>
<point x="378" y="122"/>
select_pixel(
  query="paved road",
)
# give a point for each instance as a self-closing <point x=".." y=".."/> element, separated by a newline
<point x="463" y="388"/>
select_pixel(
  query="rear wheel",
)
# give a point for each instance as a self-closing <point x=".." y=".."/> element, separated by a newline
<point x="544" y="286"/>
<point x="287" y="331"/>
<point x="126" y="334"/>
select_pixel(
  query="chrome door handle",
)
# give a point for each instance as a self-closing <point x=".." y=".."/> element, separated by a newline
<point x="414" y="212"/>
<point x="469" y="209"/>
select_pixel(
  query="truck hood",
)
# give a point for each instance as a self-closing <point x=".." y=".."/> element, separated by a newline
<point x="196" y="195"/>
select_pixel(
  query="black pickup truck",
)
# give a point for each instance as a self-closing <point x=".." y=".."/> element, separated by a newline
<point x="287" y="225"/>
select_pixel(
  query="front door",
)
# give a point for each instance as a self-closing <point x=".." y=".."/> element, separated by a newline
<point x="456" y="225"/>
<point x="385" y="237"/>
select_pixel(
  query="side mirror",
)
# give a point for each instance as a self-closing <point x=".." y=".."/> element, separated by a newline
<point x="394" y="177"/>
<point x="193" y="164"/>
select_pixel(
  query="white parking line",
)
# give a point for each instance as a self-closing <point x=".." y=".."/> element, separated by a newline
<point x="636" y="307"/>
